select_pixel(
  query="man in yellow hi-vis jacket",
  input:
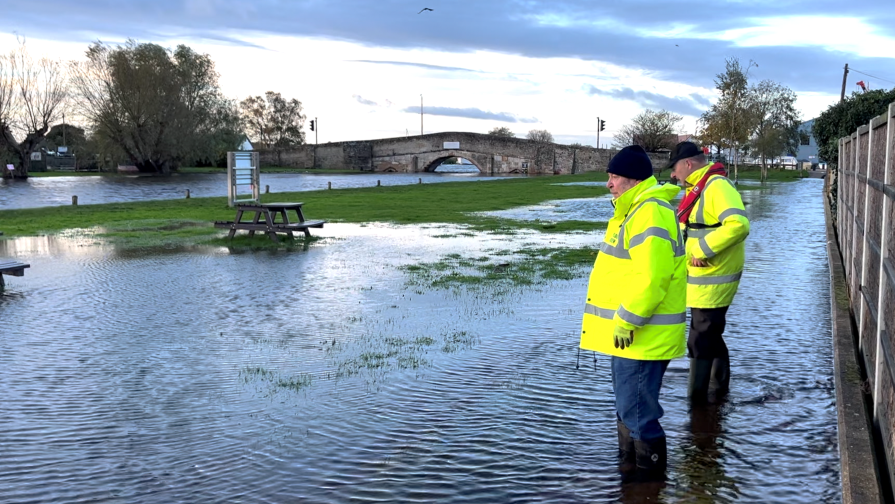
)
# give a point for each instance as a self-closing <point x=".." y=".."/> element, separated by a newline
<point x="636" y="306"/>
<point x="714" y="217"/>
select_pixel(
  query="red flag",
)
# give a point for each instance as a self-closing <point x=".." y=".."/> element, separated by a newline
<point x="863" y="86"/>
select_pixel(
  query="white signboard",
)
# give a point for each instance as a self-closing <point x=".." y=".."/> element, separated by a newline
<point x="452" y="145"/>
<point x="35" y="156"/>
<point x="62" y="149"/>
<point x="10" y="167"/>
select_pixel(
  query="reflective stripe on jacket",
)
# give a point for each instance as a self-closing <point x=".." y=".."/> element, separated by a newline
<point x="716" y="232"/>
<point x="639" y="279"/>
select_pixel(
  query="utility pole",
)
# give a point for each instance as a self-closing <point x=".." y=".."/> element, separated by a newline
<point x="844" y="76"/>
<point x="598" y="132"/>
<point x="421" y="114"/>
<point x="63" y="130"/>
<point x="316" y="127"/>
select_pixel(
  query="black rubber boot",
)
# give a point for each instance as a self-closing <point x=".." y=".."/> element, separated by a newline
<point x="626" y="451"/>
<point x="719" y="384"/>
<point x="652" y="458"/>
<point x="700" y="377"/>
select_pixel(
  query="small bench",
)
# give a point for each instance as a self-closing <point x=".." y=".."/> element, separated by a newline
<point x="265" y="220"/>
<point x="12" y="268"/>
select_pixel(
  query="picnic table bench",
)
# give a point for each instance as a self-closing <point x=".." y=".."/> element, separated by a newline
<point x="13" y="268"/>
<point x="264" y="218"/>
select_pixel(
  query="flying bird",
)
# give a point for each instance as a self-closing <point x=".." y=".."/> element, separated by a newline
<point x="424" y="10"/>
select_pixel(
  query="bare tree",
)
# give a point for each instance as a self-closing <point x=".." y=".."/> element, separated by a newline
<point x="541" y="136"/>
<point x="32" y="94"/>
<point x="502" y="131"/>
<point x="273" y="121"/>
<point x="544" y="149"/>
<point x="651" y="129"/>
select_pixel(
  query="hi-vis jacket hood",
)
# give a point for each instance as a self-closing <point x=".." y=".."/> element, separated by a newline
<point x="639" y="278"/>
<point x="716" y="232"/>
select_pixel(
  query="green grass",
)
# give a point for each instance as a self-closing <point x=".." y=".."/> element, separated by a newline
<point x="185" y="221"/>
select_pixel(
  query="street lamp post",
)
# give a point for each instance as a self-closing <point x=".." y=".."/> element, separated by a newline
<point x="421" y="113"/>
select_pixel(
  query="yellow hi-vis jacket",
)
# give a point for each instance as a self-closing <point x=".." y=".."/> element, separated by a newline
<point x="716" y="232"/>
<point x="639" y="280"/>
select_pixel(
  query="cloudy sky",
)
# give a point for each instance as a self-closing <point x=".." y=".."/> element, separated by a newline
<point x="360" y="66"/>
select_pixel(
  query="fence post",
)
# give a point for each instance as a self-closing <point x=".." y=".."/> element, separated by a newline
<point x="885" y="238"/>
<point x="853" y="269"/>
<point x="865" y="247"/>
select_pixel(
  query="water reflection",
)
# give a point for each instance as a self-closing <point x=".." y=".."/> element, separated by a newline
<point x="321" y="375"/>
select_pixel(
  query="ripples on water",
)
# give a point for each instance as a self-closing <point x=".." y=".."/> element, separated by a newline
<point x="183" y="376"/>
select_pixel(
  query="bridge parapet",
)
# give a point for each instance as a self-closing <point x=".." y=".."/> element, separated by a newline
<point x="492" y="155"/>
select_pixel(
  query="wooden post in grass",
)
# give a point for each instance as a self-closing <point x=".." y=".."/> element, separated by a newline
<point x="74" y="200"/>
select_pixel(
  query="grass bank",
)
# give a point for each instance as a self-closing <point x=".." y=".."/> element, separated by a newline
<point x="188" y="221"/>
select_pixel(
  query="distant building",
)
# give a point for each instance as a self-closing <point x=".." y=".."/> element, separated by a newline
<point x="808" y="146"/>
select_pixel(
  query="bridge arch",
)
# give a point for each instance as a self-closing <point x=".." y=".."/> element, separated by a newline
<point x="433" y="165"/>
<point x="430" y="161"/>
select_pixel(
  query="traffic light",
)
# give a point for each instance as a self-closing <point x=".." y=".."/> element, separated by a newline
<point x="602" y="125"/>
<point x="312" y="125"/>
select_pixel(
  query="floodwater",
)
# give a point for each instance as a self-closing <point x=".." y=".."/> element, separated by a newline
<point x="55" y="191"/>
<point x="331" y="375"/>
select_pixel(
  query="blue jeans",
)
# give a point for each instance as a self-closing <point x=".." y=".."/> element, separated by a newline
<point x="636" y="384"/>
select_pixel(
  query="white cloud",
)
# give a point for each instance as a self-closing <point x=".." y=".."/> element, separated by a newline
<point x="849" y="35"/>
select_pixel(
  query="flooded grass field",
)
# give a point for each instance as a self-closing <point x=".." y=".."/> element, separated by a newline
<point x="395" y="363"/>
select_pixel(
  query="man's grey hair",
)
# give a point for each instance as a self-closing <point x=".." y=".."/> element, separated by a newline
<point x="698" y="159"/>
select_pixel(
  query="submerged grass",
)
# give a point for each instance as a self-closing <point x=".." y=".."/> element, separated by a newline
<point x="257" y="373"/>
<point x="523" y="267"/>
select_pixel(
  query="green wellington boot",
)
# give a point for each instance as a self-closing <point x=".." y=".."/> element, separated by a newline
<point x="626" y="451"/>
<point x="719" y="384"/>
<point x="652" y="458"/>
<point x="700" y="376"/>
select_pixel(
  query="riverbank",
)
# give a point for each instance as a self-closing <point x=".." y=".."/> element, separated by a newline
<point x="745" y="173"/>
<point x="189" y="221"/>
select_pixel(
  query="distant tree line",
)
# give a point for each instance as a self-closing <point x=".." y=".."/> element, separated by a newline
<point x="759" y="120"/>
<point x="139" y="103"/>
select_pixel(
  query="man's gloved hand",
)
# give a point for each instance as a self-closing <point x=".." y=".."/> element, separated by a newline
<point x="623" y="337"/>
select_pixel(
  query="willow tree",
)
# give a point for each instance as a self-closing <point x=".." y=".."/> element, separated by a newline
<point x="32" y="94"/>
<point x="158" y="108"/>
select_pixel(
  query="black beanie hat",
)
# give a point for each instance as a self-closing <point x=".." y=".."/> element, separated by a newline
<point x="631" y="162"/>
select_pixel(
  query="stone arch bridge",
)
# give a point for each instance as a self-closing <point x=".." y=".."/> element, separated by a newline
<point x="492" y="155"/>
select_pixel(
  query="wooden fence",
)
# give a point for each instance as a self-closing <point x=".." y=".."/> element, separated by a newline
<point x="866" y="217"/>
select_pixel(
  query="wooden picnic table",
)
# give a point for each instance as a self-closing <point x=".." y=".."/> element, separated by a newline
<point x="264" y="218"/>
<point x="12" y="268"/>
